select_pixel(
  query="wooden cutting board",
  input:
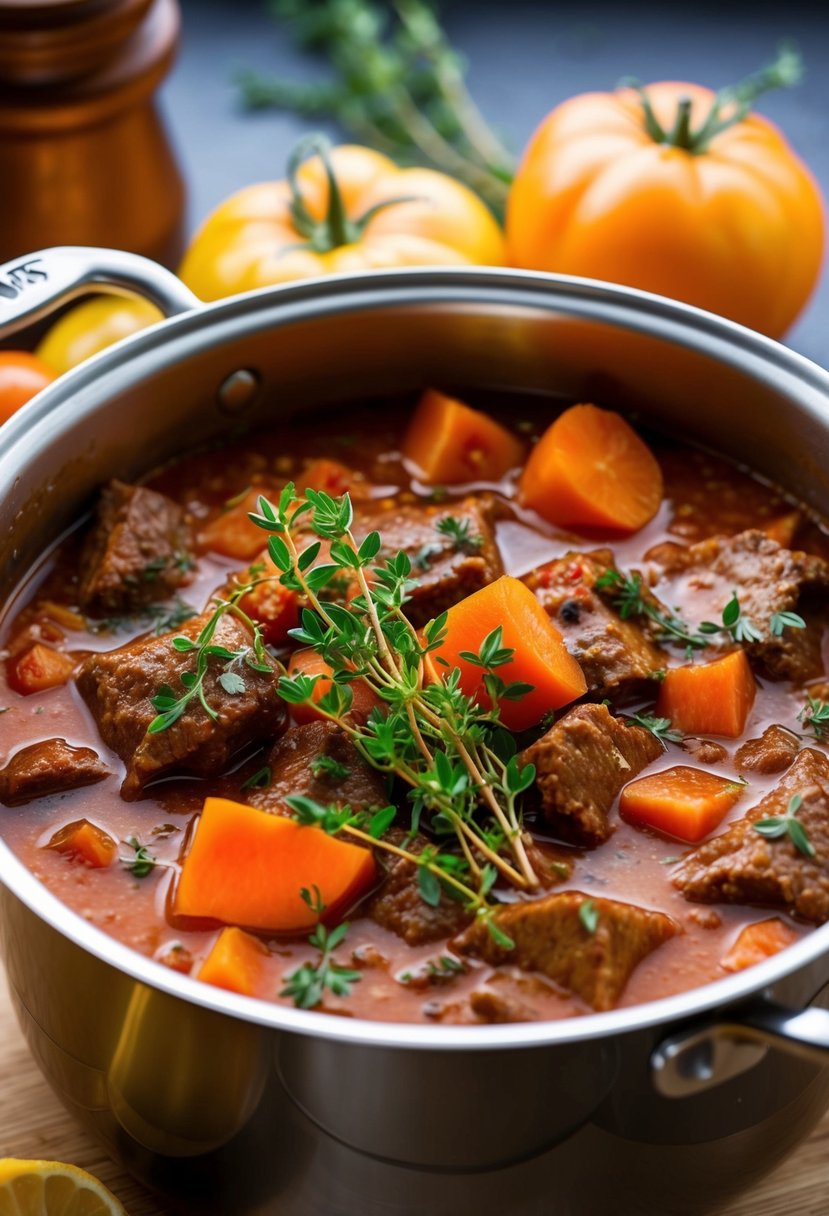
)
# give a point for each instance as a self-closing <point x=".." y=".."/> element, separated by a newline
<point x="34" y="1124"/>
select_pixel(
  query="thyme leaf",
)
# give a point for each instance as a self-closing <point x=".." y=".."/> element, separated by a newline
<point x="777" y="826"/>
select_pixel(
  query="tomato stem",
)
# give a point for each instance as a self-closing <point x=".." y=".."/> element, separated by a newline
<point x="730" y="106"/>
<point x="337" y="228"/>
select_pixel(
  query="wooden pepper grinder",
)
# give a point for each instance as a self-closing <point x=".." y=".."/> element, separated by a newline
<point x="85" y="156"/>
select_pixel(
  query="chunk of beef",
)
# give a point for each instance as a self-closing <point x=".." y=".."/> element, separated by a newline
<point x="447" y="567"/>
<point x="742" y="866"/>
<point x="771" y="753"/>
<point x="51" y="767"/>
<point x="550" y="937"/>
<point x="399" y="906"/>
<point x="768" y="579"/>
<point x="581" y="765"/>
<point x="493" y="1006"/>
<point x="118" y="686"/>
<point x="139" y="550"/>
<point x="319" y="761"/>
<point x="705" y="751"/>
<point x="618" y="656"/>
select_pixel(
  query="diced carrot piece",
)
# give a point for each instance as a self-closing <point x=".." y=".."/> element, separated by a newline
<point x="683" y="802"/>
<point x="541" y="658"/>
<point x="783" y="528"/>
<point x="38" y="668"/>
<point x="246" y="867"/>
<point x="758" y="942"/>
<point x="236" y="962"/>
<point x="450" y="443"/>
<point x="274" y="607"/>
<point x="87" y="842"/>
<point x="334" y="478"/>
<point x="232" y="533"/>
<point x="591" y="470"/>
<point x="308" y="662"/>
<point x="709" y="698"/>
<point x="67" y="617"/>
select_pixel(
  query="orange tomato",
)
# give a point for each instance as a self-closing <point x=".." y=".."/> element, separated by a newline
<point x="732" y="222"/>
<point x="350" y="209"/>
<point x="22" y="376"/>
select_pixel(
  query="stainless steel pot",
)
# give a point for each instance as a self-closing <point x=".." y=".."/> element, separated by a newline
<point x="227" y="1104"/>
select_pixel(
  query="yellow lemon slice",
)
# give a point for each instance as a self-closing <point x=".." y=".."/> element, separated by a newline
<point x="49" y="1188"/>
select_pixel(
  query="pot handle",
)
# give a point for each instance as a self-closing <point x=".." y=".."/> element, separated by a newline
<point x="710" y="1053"/>
<point x="31" y="287"/>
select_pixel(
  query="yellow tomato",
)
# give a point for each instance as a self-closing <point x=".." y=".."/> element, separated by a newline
<point x="92" y="326"/>
<point x="343" y="210"/>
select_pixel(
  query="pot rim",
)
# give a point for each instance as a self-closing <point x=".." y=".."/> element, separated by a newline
<point x="579" y="296"/>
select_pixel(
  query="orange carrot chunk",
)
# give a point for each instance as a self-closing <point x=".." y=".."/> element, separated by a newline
<point x="236" y="962"/>
<point x="451" y="443"/>
<point x="686" y="803"/>
<point x="758" y="942"/>
<point x="540" y="659"/>
<point x="591" y="470"/>
<point x="86" y="842"/>
<point x="709" y="698"/>
<point x="232" y="534"/>
<point x="39" y="668"/>
<point x="274" y="607"/>
<point x="246" y="867"/>
<point x="308" y="662"/>
<point x="783" y="528"/>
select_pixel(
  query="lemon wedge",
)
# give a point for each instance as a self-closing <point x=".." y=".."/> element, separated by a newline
<point x="50" y="1188"/>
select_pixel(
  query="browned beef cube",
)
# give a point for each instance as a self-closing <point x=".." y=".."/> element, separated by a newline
<point x="50" y="767"/>
<point x="139" y="551"/>
<point x="319" y="761"/>
<point x="490" y="1005"/>
<point x="771" y="753"/>
<point x="618" y="657"/>
<point x="550" y="936"/>
<point x="399" y="906"/>
<point x="581" y="765"/>
<point x="447" y="567"/>
<point x="705" y="751"/>
<point x="768" y="579"/>
<point x="118" y="686"/>
<point x="741" y="866"/>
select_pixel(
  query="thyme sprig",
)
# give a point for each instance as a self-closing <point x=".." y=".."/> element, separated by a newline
<point x="306" y="985"/>
<point x="142" y="862"/>
<point x="660" y="728"/>
<point x="629" y="600"/>
<point x="455" y="756"/>
<point x="815" y="716"/>
<point x="396" y="83"/>
<point x="171" y="705"/>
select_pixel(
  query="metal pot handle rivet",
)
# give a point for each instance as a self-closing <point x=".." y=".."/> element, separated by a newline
<point x="33" y="286"/>
<point x="707" y="1054"/>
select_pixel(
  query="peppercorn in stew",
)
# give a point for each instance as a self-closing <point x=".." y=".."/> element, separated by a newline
<point x="446" y="718"/>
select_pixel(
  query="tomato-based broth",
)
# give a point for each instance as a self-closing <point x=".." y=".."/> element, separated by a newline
<point x="707" y="572"/>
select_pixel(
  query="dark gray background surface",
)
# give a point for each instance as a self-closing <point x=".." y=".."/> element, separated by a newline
<point x="523" y="59"/>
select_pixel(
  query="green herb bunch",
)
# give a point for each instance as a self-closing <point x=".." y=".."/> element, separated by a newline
<point x="397" y="83"/>
<point x="457" y="759"/>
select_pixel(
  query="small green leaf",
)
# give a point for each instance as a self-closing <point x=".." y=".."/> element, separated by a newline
<point x="380" y="822"/>
<point x="232" y="683"/>
<point x="428" y="886"/>
<point x="589" y="916"/>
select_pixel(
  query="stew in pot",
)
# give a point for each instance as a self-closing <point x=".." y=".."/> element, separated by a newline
<point x="442" y="713"/>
